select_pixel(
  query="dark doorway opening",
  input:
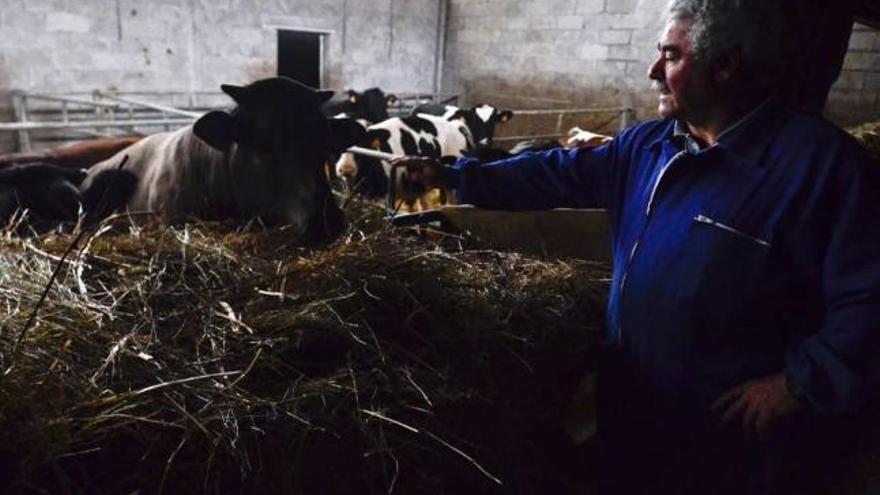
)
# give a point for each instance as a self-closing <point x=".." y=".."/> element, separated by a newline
<point x="299" y="56"/>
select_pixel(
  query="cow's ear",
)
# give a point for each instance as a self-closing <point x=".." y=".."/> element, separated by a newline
<point x="237" y="93"/>
<point x="375" y="137"/>
<point x="344" y="133"/>
<point x="505" y="116"/>
<point x="217" y="129"/>
<point x="352" y="96"/>
<point x="459" y="115"/>
<point x="323" y="96"/>
<point x="390" y="100"/>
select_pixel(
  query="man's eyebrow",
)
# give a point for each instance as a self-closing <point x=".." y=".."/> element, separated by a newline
<point x="664" y="48"/>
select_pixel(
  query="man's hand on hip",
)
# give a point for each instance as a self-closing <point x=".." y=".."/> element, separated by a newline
<point x="759" y="404"/>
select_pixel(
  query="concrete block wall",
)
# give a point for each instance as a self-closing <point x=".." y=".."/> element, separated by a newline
<point x="575" y="53"/>
<point x="553" y="53"/>
<point x="195" y="45"/>
<point x="855" y="97"/>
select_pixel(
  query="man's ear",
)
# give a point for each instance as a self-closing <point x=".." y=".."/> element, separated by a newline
<point x="727" y="66"/>
<point x="352" y="96"/>
<point x="390" y="100"/>
<point x="505" y="116"/>
<point x="344" y="133"/>
<point x="217" y="129"/>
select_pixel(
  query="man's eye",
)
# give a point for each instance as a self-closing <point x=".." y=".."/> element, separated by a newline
<point x="669" y="55"/>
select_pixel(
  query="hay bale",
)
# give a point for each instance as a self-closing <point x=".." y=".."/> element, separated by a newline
<point x="214" y="359"/>
<point x="868" y="135"/>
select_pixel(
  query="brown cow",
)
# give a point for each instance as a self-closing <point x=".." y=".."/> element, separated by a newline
<point x="80" y="155"/>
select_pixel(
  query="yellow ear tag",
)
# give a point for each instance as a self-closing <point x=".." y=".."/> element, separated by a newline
<point x="376" y="144"/>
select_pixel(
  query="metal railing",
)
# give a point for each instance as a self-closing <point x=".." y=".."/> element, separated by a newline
<point x="99" y="114"/>
<point x="625" y="114"/>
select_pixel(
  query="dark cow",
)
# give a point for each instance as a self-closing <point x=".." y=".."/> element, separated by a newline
<point x="49" y="192"/>
<point x="371" y="105"/>
<point x="80" y="155"/>
<point x="487" y="154"/>
<point x="481" y="119"/>
<point x="535" y="145"/>
<point x="261" y="159"/>
<point x="422" y="135"/>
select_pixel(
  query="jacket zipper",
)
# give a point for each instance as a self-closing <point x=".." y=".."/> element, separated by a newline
<point x="708" y="221"/>
<point x="638" y="241"/>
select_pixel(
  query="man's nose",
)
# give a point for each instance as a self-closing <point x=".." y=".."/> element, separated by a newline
<point x="655" y="71"/>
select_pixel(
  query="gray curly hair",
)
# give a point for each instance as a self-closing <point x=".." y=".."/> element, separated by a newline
<point x="756" y="26"/>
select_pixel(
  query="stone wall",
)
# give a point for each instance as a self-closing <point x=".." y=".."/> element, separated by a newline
<point x="515" y="53"/>
<point x="195" y="45"/>
<point x="575" y="53"/>
<point x="855" y="97"/>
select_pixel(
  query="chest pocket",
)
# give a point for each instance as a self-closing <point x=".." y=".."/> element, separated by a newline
<point x="761" y="238"/>
<point x="730" y="256"/>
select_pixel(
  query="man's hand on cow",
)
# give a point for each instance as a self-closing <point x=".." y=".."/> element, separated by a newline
<point x="428" y="172"/>
<point x="760" y="404"/>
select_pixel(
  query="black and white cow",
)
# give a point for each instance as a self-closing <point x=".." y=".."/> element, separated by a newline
<point x="481" y="120"/>
<point x="371" y="105"/>
<point x="422" y="135"/>
<point x="263" y="159"/>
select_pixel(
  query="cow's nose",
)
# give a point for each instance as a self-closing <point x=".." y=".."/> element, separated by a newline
<point x="346" y="169"/>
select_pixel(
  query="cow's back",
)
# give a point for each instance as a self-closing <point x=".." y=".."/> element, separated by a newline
<point x="452" y="135"/>
<point x="175" y="174"/>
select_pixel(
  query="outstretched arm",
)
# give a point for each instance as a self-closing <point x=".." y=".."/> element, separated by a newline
<point x="560" y="178"/>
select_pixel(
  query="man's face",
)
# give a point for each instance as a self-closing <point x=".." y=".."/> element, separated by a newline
<point x="684" y="86"/>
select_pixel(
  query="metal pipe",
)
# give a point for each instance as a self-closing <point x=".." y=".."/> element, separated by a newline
<point x="19" y="103"/>
<point x="357" y="150"/>
<point x="67" y="99"/>
<point x="27" y="126"/>
<point x="146" y="104"/>
<point x="440" y="48"/>
<point x="572" y="110"/>
<point x="523" y="138"/>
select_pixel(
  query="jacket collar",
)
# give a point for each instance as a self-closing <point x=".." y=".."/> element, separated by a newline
<point x="744" y="142"/>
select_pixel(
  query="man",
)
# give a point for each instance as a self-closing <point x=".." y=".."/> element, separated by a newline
<point x="745" y="301"/>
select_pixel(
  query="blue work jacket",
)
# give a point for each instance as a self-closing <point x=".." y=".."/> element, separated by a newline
<point x="758" y="255"/>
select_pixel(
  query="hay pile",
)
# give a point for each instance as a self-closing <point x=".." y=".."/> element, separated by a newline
<point x="869" y="136"/>
<point x="213" y="359"/>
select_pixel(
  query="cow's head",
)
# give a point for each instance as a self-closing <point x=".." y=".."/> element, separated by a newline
<point x="278" y="141"/>
<point x="481" y="121"/>
<point x="372" y="104"/>
<point x="367" y="174"/>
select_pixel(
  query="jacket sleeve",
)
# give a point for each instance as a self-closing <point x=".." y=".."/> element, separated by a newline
<point x="837" y="370"/>
<point x="560" y="178"/>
